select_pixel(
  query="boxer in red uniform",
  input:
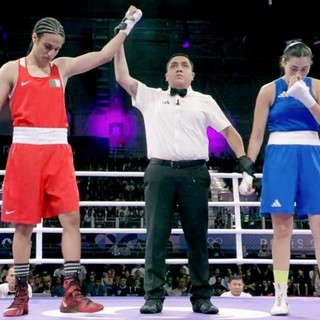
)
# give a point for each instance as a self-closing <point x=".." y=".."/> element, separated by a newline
<point x="40" y="177"/>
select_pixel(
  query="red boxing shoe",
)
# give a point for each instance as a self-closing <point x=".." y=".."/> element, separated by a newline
<point x="74" y="301"/>
<point x="19" y="306"/>
<point x="16" y="309"/>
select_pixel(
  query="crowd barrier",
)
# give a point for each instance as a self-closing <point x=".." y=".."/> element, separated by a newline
<point x="236" y="230"/>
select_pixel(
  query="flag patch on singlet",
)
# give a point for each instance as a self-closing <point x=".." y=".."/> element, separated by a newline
<point x="54" y="83"/>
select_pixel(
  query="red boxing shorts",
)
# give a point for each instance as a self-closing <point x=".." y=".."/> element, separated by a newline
<point x="39" y="182"/>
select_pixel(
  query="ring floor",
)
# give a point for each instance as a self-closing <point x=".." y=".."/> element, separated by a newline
<point x="127" y="308"/>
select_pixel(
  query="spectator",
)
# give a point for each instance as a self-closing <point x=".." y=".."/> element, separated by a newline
<point x="46" y="281"/>
<point x="215" y="251"/>
<point x="302" y="283"/>
<point x="264" y="251"/>
<point x="37" y="284"/>
<point x="107" y="280"/>
<point x="168" y="286"/>
<point x="3" y="273"/>
<point x="89" y="285"/>
<point x="181" y="289"/>
<point x="57" y="288"/>
<point x="7" y="289"/>
<point x="138" y="267"/>
<point x="58" y="272"/>
<point x="267" y="288"/>
<point x="122" y="289"/>
<point x="316" y="284"/>
<point x="217" y="287"/>
<point x="213" y="278"/>
<point x="249" y="283"/>
<point x="137" y="287"/>
<point x="227" y="277"/>
<point x="97" y="289"/>
<point x="236" y="287"/>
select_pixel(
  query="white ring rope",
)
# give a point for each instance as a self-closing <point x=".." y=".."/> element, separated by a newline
<point x="238" y="231"/>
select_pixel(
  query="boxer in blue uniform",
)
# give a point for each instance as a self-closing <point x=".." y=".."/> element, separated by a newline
<point x="288" y="107"/>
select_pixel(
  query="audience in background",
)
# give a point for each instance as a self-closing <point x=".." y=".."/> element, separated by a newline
<point x="121" y="282"/>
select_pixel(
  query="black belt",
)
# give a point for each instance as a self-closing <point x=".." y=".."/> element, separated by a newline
<point x="178" y="164"/>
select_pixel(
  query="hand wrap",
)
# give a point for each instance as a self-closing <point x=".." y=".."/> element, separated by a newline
<point x="245" y="187"/>
<point x="126" y="25"/>
<point x="300" y="91"/>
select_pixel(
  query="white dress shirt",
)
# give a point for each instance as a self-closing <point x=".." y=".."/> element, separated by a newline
<point x="242" y="295"/>
<point x="176" y="127"/>
<point x="4" y="291"/>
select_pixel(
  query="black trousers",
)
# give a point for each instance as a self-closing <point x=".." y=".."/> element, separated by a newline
<point x="165" y="187"/>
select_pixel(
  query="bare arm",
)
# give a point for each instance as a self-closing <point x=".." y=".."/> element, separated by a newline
<point x="72" y="66"/>
<point x="8" y="75"/>
<point x="234" y="140"/>
<point x="264" y="101"/>
<point x="69" y="67"/>
<point x="122" y="73"/>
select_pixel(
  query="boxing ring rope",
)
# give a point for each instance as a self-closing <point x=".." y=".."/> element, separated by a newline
<point x="238" y="231"/>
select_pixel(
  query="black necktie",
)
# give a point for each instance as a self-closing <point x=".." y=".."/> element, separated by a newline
<point x="180" y="92"/>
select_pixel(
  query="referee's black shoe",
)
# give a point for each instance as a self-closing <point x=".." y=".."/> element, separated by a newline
<point x="204" y="306"/>
<point x="152" y="306"/>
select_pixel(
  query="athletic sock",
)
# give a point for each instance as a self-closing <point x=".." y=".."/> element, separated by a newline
<point x="21" y="270"/>
<point x="280" y="276"/>
<point x="71" y="267"/>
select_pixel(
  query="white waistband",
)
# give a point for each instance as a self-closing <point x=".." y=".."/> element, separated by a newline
<point x="32" y="135"/>
<point x="295" y="137"/>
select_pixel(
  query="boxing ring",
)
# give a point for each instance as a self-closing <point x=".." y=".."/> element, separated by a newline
<point x="174" y="307"/>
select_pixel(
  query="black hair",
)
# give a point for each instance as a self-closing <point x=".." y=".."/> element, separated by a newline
<point x="47" y="25"/>
<point x="296" y="48"/>
<point x="235" y="277"/>
<point x="180" y="54"/>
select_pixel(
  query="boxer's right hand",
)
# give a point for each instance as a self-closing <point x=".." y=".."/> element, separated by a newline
<point x="300" y="91"/>
<point x="132" y="16"/>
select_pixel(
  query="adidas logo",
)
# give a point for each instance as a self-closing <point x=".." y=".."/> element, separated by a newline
<point x="283" y="94"/>
<point x="276" y="204"/>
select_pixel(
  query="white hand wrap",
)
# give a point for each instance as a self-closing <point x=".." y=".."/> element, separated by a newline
<point x="301" y="92"/>
<point x="245" y="187"/>
<point x="130" y="23"/>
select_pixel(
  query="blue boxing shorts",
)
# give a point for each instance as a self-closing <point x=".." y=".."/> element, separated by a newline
<point x="291" y="180"/>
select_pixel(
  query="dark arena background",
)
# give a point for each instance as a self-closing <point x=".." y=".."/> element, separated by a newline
<point x="235" y="46"/>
